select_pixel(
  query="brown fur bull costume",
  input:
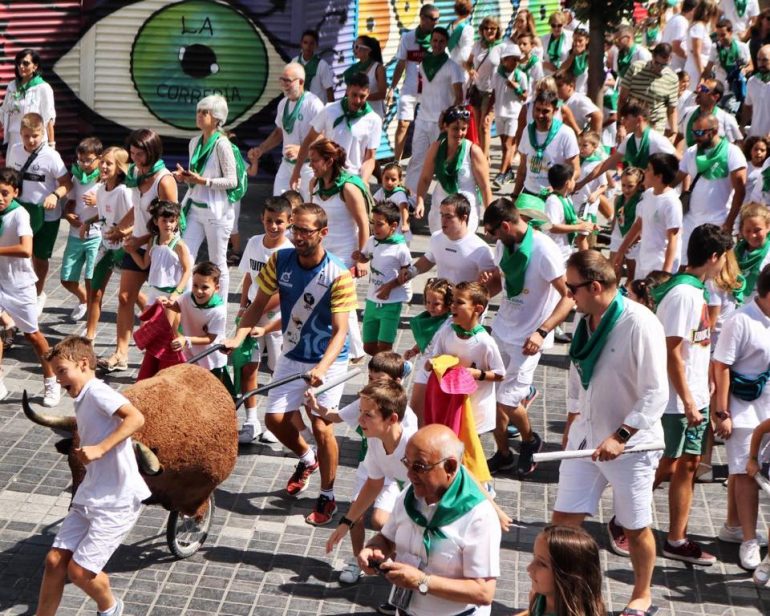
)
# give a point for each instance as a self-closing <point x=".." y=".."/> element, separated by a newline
<point x="189" y="442"/>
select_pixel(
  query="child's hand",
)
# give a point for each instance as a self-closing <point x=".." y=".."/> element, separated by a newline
<point x="51" y="201"/>
<point x="257" y="332"/>
<point x="405" y="228"/>
<point x="409" y="353"/>
<point x="178" y="343"/>
<point x="311" y="403"/>
<point x="83" y="231"/>
<point x="429" y="366"/>
<point x="291" y="151"/>
<point x="752" y="468"/>
<point x="361" y="270"/>
<point x="587" y="225"/>
<point x="89" y="453"/>
<point x="383" y="292"/>
<point x="165" y="301"/>
<point x="358" y="256"/>
<point x="89" y="199"/>
<point x="74" y="220"/>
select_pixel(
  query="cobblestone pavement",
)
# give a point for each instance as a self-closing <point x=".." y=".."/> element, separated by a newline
<point x="261" y="558"/>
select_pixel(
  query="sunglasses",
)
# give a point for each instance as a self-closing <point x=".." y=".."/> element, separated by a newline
<point x="572" y="288"/>
<point x="419" y="467"/>
<point x="429" y="18"/>
<point x="359" y="47"/>
<point x="700" y="132"/>
<point x="456" y="114"/>
<point x="703" y="89"/>
<point x="24" y="63"/>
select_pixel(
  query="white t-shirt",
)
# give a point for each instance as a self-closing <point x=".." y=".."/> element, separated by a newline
<point x="412" y="54"/>
<point x="711" y="199"/>
<point x="581" y="107"/>
<point x="727" y="306"/>
<point x="255" y="257"/>
<point x="563" y="147"/>
<point x="40" y="178"/>
<point x="566" y="47"/>
<point x="743" y="53"/>
<point x="15" y="272"/>
<point x="77" y="194"/>
<point x="363" y="135"/>
<point x="323" y="80"/>
<point x="462" y="50"/>
<point x="676" y="30"/>
<point x="758" y="96"/>
<point x="485" y="62"/>
<point x="113" y="480"/>
<point x="759" y="195"/>
<point x="518" y="317"/>
<point x="203" y="322"/>
<point x="658" y="143"/>
<point x="112" y="206"/>
<point x="697" y="31"/>
<point x="585" y="209"/>
<point x="438" y="94"/>
<point x="311" y="107"/>
<point x="38" y="99"/>
<point x="684" y="314"/>
<point x="507" y="102"/>
<point x="740" y="24"/>
<point x="479" y="351"/>
<point x="744" y="345"/>
<point x="658" y="213"/>
<point x="728" y="125"/>
<point x="381" y="465"/>
<point x="554" y="210"/>
<point x="459" y="260"/>
<point x="386" y="261"/>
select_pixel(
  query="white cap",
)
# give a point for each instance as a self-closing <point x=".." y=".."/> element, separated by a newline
<point x="510" y="50"/>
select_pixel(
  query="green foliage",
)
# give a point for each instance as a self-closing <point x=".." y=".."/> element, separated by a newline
<point x="605" y="14"/>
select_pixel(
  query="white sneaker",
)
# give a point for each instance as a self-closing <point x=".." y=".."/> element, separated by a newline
<point x="268" y="437"/>
<point x="52" y="394"/>
<point x="762" y="573"/>
<point x="247" y="433"/>
<point x="734" y="534"/>
<point x="78" y="312"/>
<point x="749" y="555"/>
<point x="41" y="303"/>
<point x="351" y="574"/>
<point x="3" y="390"/>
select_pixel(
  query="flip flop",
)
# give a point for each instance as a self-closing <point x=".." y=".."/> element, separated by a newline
<point x="630" y="611"/>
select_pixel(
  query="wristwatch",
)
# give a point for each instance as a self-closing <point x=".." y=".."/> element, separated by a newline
<point x="722" y="415"/>
<point x="423" y="585"/>
<point x="347" y="521"/>
<point x="542" y="332"/>
<point x="623" y="434"/>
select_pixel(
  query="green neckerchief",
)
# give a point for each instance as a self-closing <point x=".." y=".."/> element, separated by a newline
<point x="364" y="444"/>
<point x="637" y="155"/>
<point x="651" y="35"/>
<point x="424" y="327"/>
<point x="350" y="116"/>
<point x="216" y="300"/>
<point x="432" y="63"/>
<point x="527" y="66"/>
<point x="629" y="210"/>
<point x="457" y="32"/>
<point x="81" y="177"/>
<point x="540" y="149"/>
<point x="202" y="151"/>
<point x="514" y="264"/>
<point x="689" y="137"/>
<point x="490" y="44"/>
<point x="594" y="158"/>
<point x="570" y="217"/>
<point x="14" y="205"/>
<point x="740" y="7"/>
<point x="580" y="64"/>
<point x="289" y="119"/>
<point x="517" y="75"/>
<point x="467" y="333"/>
<point x="448" y="171"/>
<point x="762" y="76"/>
<point x="538" y="608"/>
<point x="23" y="88"/>
<point x="396" y="238"/>
<point x="389" y="193"/>
<point x="461" y="496"/>
<point x="423" y="39"/>
<point x="739" y="294"/>
<point x="624" y="60"/>
<point x="750" y="261"/>
<point x="610" y="100"/>
<point x="554" y="49"/>
<point x="729" y="56"/>
<point x="345" y="178"/>
<point x="660" y="291"/>
<point x="586" y="348"/>
<point x="133" y="180"/>
<point x="712" y="163"/>
<point x="766" y="180"/>
<point x="359" y="67"/>
<point x="311" y="68"/>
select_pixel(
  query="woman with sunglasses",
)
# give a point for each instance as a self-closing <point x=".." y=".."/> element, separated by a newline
<point x="458" y="166"/>
<point x="27" y="93"/>
<point x="369" y="61"/>
<point x="557" y="44"/>
<point x="481" y="65"/>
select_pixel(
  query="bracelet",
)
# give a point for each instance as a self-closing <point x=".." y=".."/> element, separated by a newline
<point x="347" y="522"/>
<point x="754" y="458"/>
<point x="483" y="376"/>
<point x="179" y="292"/>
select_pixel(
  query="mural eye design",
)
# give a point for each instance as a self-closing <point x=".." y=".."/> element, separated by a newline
<point x="148" y="64"/>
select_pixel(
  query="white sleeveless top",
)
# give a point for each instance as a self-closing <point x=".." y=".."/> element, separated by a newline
<point x="467" y="186"/>
<point x="342" y="239"/>
<point x="377" y="106"/>
<point x="142" y="210"/>
<point x="165" y="266"/>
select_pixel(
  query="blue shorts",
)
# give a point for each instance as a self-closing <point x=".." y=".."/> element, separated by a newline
<point x="78" y="253"/>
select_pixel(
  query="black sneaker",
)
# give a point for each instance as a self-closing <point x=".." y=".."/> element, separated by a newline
<point x="499" y="462"/>
<point x="528" y="449"/>
<point x="388" y="609"/>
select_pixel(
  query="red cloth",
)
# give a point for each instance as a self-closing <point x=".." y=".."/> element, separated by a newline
<point x="473" y="131"/>
<point x="445" y="397"/>
<point x="154" y="337"/>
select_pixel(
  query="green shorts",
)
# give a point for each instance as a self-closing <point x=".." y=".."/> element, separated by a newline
<point x="44" y="240"/>
<point x="682" y="439"/>
<point x="104" y="266"/>
<point x="77" y="254"/>
<point x="381" y="322"/>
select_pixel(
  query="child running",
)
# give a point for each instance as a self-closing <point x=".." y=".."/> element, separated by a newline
<point x="631" y="190"/>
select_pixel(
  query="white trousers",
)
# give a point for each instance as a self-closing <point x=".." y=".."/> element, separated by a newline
<point x="281" y="182"/>
<point x="203" y="225"/>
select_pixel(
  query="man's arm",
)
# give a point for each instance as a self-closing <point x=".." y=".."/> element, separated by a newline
<point x="738" y="181"/>
<point x="249" y="319"/>
<point x="672" y="249"/>
<point x="254" y="154"/>
<point x="311" y="136"/>
<point x="560" y="312"/>
<point x="520" y="175"/>
<point x="367" y="166"/>
<point x="672" y="121"/>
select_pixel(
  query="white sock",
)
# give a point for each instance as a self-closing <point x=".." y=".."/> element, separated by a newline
<point x="308" y="458"/>
<point x="678" y="543"/>
<point x="110" y="611"/>
<point x="251" y="416"/>
<point x="328" y="493"/>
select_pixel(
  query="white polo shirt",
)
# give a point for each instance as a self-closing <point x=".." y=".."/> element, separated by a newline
<point x="459" y="260"/>
<point x="364" y="133"/>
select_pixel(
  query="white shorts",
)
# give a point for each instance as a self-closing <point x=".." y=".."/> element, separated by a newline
<point x="582" y="481"/>
<point x="616" y="239"/>
<point x="519" y="373"/>
<point x="406" y="106"/>
<point x="282" y="177"/>
<point x="21" y="305"/>
<point x="506" y="126"/>
<point x="737" y="449"/>
<point x="291" y="396"/>
<point x="386" y="499"/>
<point x="93" y="534"/>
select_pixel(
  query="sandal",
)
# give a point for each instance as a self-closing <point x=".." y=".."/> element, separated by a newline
<point x="114" y="363"/>
<point x="630" y="611"/>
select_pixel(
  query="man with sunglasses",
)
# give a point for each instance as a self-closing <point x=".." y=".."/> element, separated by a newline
<point x="440" y="547"/>
<point x="618" y="370"/>
<point x="708" y="93"/>
<point x="756" y="107"/>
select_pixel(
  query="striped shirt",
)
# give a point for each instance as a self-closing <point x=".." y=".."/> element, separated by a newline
<point x="659" y="91"/>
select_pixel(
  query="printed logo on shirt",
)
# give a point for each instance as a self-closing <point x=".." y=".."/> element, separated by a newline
<point x="702" y="335"/>
<point x="255" y="266"/>
<point x="415" y="55"/>
<point x="309" y="300"/>
<point x="285" y="279"/>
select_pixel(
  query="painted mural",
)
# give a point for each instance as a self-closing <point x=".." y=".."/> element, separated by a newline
<point x="117" y="65"/>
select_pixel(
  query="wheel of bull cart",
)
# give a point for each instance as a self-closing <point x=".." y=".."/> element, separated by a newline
<point x="184" y="534"/>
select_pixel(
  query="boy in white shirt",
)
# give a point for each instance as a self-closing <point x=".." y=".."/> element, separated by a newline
<point x="587" y="115"/>
<point x="588" y="198"/>
<point x="511" y="87"/>
<point x="658" y="220"/>
<point x="565" y="224"/>
<point x="81" y="206"/>
<point x="276" y="218"/>
<point x="109" y="500"/>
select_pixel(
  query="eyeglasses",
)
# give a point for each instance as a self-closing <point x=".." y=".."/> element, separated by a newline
<point x="572" y="288"/>
<point x="359" y="47"/>
<point x="87" y="161"/>
<point x="700" y="132"/>
<point x="557" y="26"/>
<point x="489" y="28"/>
<point x="303" y="231"/>
<point x="288" y="80"/>
<point x="419" y="467"/>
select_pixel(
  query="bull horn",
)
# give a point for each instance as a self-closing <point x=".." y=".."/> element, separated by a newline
<point x="148" y="462"/>
<point x="68" y="424"/>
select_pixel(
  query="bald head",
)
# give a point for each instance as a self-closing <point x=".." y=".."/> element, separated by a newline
<point x="438" y="440"/>
<point x="707" y="122"/>
<point x="764" y="55"/>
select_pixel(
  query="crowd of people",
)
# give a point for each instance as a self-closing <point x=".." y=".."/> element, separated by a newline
<point x="646" y="216"/>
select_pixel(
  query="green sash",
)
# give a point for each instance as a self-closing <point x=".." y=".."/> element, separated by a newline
<point x="467" y="333"/>
<point x="423" y="39"/>
<point x="570" y="217"/>
<point x="624" y="60"/>
<point x="14" y="205"/>
<point x="766" y="180"/>
<point x="750" y="261"/>
<point x="424" y="327"/>
<point x="764" y="77"/>
<point x="514" y="264"/>
<point x="81" y="177"/>
<point x="462" y="495"/>
<point x="359" y="67"/>
<point x="350" y="116"/>
<point x="457" y="32"/>
<point x="431" y="64"/>
<point x="202" y="152"/>
<point x="651" y="35"/>
<point x="23" y="88"/>
<point x="554" y="50"/>
<point x="628" y="210"/>
<point x="447" y="171"/>
<point x="610" y="100"/>
<point x="660" y="291"/>
<point x="586" y="348"/>
<point x="345" y="178"/>
<point x="729" y="57"/>
<point x="517" y="75"/>
<point x="216" y="300"/>
<point x="490" y="44"/>
<point x="637" y="156"/>
<point x="580" y="64"/>
<point x="739" y="294"/>
<point x="712" y="163"/>
<point x="133" y="180"/>
<point x="540" y="149"/>
<point x="288" y="119"/>
<point x="740" y="7"/>
<point x="396" y="238"/>
<point x="364" y="444"/>
<point x="527" y="66"/>
<point x="311" y="68"/>
<point x="690" y="138"/>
